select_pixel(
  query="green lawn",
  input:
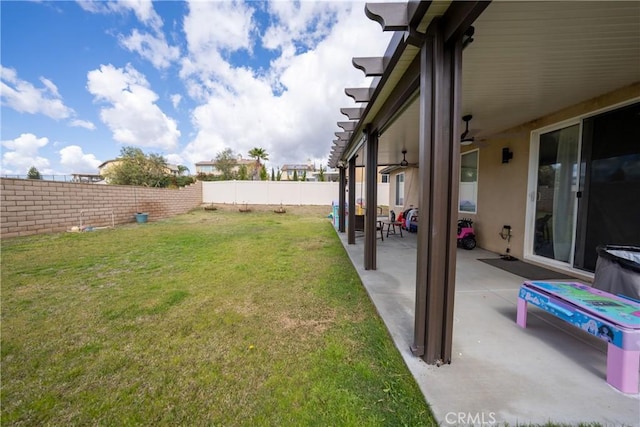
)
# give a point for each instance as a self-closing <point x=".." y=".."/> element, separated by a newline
<point x="209" y="318"/>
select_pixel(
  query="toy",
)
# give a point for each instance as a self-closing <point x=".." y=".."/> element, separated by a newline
<point x="466" y="234"/>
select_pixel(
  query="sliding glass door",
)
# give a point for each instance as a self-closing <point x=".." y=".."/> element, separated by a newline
<point x="584" y="188"/>
<point x="609" y="209"/>
<point x="555" y="201"/>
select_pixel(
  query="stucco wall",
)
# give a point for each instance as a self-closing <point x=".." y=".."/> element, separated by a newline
<point x="502" y="188"/>
<point x="36" y="206"/>
<point x="411" y="187"/>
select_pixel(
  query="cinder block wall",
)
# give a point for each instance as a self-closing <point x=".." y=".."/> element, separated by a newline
<point x="29" y="206"/>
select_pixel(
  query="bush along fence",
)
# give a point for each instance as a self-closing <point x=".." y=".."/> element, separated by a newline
<point x="30" y="206"/>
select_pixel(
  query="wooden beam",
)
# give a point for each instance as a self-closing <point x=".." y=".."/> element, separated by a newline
<point x="343" y="136"/>
<point x="359" y="94"/>
<point x="353" y="113"/>
<point x="348" y="126"/>
<point x="390" y="16"/>
<point x="408" y="84"/>
<point x="371" y="66"/>
<point x="459" y="16"/>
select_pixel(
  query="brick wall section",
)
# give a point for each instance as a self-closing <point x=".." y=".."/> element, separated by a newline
<point x="29" y="206"/>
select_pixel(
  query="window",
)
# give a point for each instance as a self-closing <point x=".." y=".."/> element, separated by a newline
<point x="468" y="197"/>
<point x="385" y="178"/>
<point x="400" y="189"/>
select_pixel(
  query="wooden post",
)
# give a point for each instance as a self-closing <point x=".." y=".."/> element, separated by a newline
<point x="438" y="196"/>
<point x="351" y="230"/>
<point x="341" y="200"/>
<point x="371" y="198"/>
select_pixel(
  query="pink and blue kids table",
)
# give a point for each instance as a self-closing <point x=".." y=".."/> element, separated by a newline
<point x="612" y="318"/>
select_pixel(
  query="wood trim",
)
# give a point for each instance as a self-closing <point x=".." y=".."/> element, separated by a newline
<point x="408" y="84"/>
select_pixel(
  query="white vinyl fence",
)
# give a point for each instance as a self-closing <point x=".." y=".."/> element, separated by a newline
<point x="280" y="192"/>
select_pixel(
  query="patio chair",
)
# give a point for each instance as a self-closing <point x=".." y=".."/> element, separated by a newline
<point x="359" y="225"/>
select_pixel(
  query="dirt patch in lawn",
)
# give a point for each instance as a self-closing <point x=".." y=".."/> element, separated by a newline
<point x="321" y="211"/>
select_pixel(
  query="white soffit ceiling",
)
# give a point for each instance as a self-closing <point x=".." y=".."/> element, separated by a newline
<point x="530" y="59"/>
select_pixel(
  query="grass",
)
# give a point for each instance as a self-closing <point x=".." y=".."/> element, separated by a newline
<point x="209" y="318"/>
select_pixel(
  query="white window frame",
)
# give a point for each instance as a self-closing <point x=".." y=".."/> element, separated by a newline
<point x="534" y="147"/>
<point x="399" y="198"/>
<point x="475" y="188"/>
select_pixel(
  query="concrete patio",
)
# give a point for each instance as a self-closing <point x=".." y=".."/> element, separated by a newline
<point x="500" y="373"/>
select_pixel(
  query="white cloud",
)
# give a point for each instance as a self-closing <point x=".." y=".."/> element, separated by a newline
<point x="22" y="154"/>
<point x="219" y="25"/>
<point x="175" y="159"/>
<point x="305" y="23"/>
<point x="175" y="100"/>
<point x="75" y="161"/>
<point x="212" y="30"/>
<point x="292" y="111"/>
<point x="143" y="9"/>
<point x="132" y="115"/>
<point x="82" y="124"/>
<point x="24" y="97"/>
<point x="155" y="49"/>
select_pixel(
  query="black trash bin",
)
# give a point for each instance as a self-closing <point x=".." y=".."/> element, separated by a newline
<point x="618" y="270"/>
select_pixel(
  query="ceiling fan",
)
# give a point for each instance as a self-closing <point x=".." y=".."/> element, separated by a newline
<point x="403" y="163"/>
<point x="466" y="138"/>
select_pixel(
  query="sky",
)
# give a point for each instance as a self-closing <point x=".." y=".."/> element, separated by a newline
<point x="186" y="80"/>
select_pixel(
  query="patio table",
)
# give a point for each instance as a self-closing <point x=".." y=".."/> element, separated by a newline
<point x="392" y="225"/>
<point x="612" y="318"/>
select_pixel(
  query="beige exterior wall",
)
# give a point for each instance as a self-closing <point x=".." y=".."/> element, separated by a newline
<point x="31" y="206"/>
<point x="360" y="174"/>
<point x="411" y="187"/>
<point x="502" y="188"/>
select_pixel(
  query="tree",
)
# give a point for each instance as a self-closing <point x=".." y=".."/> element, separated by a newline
<point x="304" y="176"/>
<point x="258" y="154"/>
<point x="243" y="174"/>
<point x="182" y="169"/>
<point x="133" y="167"/>
<point x="321" y="174"/>
<point x="33" y="173"/>
<point x="226" y="162"/>
<point x="273" y="175"/>
<point x="279" y="175"/>
<point x="295" y="175"/>
<point x="263" y="174"/>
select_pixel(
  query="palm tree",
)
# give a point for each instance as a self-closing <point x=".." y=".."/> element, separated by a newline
<point x="258" y="154"/>
<point x="182" y="169"/>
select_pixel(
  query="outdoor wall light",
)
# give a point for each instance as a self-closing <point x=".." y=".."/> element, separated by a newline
<point x="404" y="162"/>
<point x="507" y="155"/>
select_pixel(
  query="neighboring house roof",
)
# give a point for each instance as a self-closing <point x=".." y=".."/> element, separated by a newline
<point x="171" y="168"/>
<point x="104" y="164"/>
<point x="213" y="162"/>
<point x="297" y="167"/>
